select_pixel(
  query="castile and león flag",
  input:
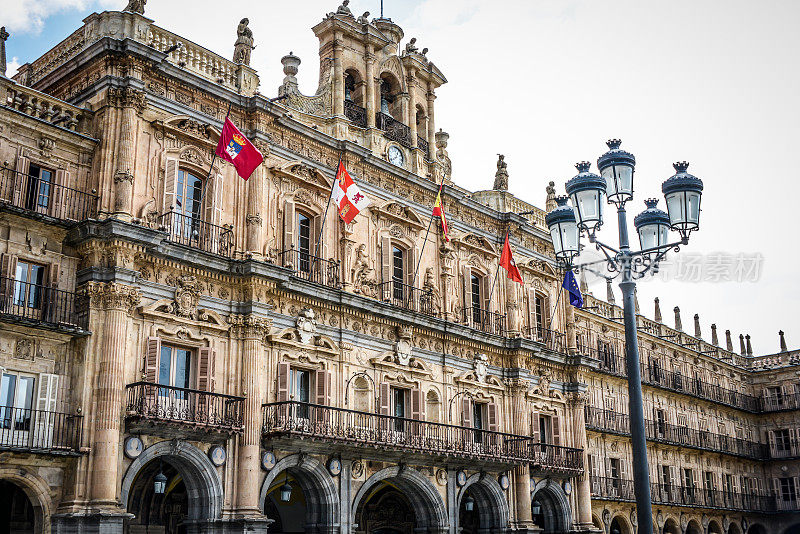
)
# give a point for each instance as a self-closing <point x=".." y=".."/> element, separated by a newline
<point x="349" y="199"/>
<point x="237" y="149"/>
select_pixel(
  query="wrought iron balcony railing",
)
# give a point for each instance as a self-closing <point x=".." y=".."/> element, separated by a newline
<point x="169" y="404"/>
<point x="552" y="339"/>
<point x="39" y="431"/>
<point x="311" y="268"/>
<point x="393" y="129"/>
<point x="485" y="320"/>
<point x="408" y="297"/>
<point x="356" y="114"/>
<point x="423" y="144"/>
<point x="40" y="305"/>
<point x="779" y="403"/>
<point x="608" y="421"/>
<point x="41" y="196"/>
<point x="360" y="430"/>
<point x="617" y="489"/>
<point x="194" y="232"/>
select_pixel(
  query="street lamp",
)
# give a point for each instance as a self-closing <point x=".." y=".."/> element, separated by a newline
<point x="615" y="182"/>
<point x="469" y="503"/>
<point x="286" y="489"/>
<point x="160" y="483"/>
<point x="564" y="230"/>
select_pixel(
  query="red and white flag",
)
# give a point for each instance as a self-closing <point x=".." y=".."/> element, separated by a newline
<point x="347" y="195"/>
<point x="507" y="262"/>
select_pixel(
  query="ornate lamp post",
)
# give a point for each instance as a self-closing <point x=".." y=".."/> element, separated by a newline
<point x="587" y="192"/>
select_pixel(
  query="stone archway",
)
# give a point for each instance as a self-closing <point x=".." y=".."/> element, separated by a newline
<point x="318" y="491"/>
<point x="411" y="488"/>
<point x="694" y="527"/>
<point x="490" y="506"/>
<point x="619" y="525"/>
<point x="555" y="514"/>
<point x="714" y="527"/>
<point x="36" y="491"/>
<point x="671" y="526"/>
<point x="204" y="494"/>
<point x="734" y="528"/>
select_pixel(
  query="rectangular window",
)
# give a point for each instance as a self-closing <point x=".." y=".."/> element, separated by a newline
<point x="655" y="371"/>
<point x="304" y="242"/>
<point x="661" y="422"/>
<point x="37" y="196"/>
<point x="16" y="401"/>
<point x="475" y="285"/>
<point x="666" y="478"/>
<point x="782" y="442"/>
<point x="399" y="408"/>
<point x="728" y="483"/>
<point x="788" y="491"/>
<point x="29" y="284"/>
<point x="545" y="429"/>
<point x="187" y="204"/>
<point x="174" y="369"/>
<point x="301" y="390"/>
<point x="398" y="273"/>
<point x="616" y="471"/>
<point x="775" y="396"/>
<point x="541" y="316"/>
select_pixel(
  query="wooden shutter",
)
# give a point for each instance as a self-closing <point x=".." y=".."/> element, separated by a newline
<point x="8" y="271"/>
<point x="151" y="357"/>
<point x="283" y="382"/>
<point x="45" y="405"/>
<point x="60" y="205"/>
<point x="556" y="422"/>
<point x="170" y="183"/>
<point x="623" y="468"/>
<point x="205" y="369"/>
<point x="532" y="312"/>
<point x="771" y="441"/>
<point x="410" y="267"/>
<point x="466" y="275"/>
<point x="386" y="263"/>
<point x="535" y="427"/>
<point x="491" y="415"/>
<point x="217" y="208"/>
<point x="776" y="488"/>
<point x="466" y="412"/>
<point x="385" y="399"/>
<point x="323" y="387"/>
<point x="289" y="216"/>
<point x="793" y="442"/>
<point x="21" y="179"/>
<point x="486" y="297"/>
<point x="417" y="404"/>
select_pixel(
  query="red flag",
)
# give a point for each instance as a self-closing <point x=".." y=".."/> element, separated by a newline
<point x="507" y="263"/>
<point x="438" y="211"/>
<point x="348" y="197"/>
<point x="235" y="148"/>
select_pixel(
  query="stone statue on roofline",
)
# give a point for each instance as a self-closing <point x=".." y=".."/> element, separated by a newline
<point x="344" y="10"/>
<point x="136" y="6"/>
<point x="411" y="46"/>
<point x="501" y="176"/>
<point x="364" y="19"/>
<point x="244" y="43"/>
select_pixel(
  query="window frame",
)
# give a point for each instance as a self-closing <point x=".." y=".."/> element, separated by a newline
<point x="33" y="196"/>
<point x="6" y="421"/>
<point x="33" y="299"/>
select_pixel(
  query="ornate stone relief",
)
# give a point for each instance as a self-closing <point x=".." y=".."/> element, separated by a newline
<point x="363" y="274"/>
<point x="306" y="325"/>
<point x="402" y="348"/>
<point x="187" y="295"/>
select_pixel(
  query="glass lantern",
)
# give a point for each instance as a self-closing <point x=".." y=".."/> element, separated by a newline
<point x="469" y="503"/>
<point x="160" y="483"/>
<point x="286" y="492"/>
<point x="587" y="192"/>
<point x="563" y="230"/>
<point x="617" y="166"/>
<point x="652" y="225"/>
<point x="682" y="193"/>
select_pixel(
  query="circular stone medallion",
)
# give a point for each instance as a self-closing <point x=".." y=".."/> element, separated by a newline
<point x="217" y="455"/>
<point x="503" y="480"/>
<point x="334" y="467"/>
<point x="133" y="447"/>
<point x="461" y="478"/>
<point x="268" y="460"/>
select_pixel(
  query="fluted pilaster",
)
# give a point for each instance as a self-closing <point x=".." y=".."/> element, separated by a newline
<point x="130" y="102"/>
<point x="576" y="403"/>
<point x="521" y="474"/>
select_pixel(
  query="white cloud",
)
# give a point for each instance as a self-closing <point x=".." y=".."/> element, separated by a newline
<point x="12" y="67"/>
<point x="28" y="16"/>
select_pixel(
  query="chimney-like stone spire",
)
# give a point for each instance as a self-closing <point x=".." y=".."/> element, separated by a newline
<point x="742" y="349"/>
<point x="728" y="341"/>
<point x="697" y="333"/>
<point x="550" y="203"/>
<point x="678" y="323"/>
<point x="584" y="285"/>
<point x="610" y="292"/>
<point x="714" y="338"/>
<point x="3" y="36"/>
<point x="783" y="341"/>
<point x="291" y="65"/>
<point x="749" y="346"/>
<point x="657" y="315"/>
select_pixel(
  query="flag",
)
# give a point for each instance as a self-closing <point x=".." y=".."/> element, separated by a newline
<point x="438" y="211"/>
<point x="235" y="148"/>
<point x="575" y="297"/>
<point x="507" y="263"/>
<point x="347" y="195"/>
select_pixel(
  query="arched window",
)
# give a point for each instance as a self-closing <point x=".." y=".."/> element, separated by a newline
<point x="349" y="87"/>
<point x="188" y="200"/>
<point x="432" y="406"/>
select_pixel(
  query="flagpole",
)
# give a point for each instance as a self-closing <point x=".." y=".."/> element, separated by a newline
<point x="328" y="205"/>
<point x="214" y="158"/>
<point x="425" y="241"/>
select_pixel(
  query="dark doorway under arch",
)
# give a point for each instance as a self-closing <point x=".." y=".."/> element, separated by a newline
<point x="17" y="515"/>
<point x="469" y="519"/>
<point x="162" y="513"/>
<point x="794" y="529"/>
<point x="290" y="516"/>
<point x="386" y="510"/>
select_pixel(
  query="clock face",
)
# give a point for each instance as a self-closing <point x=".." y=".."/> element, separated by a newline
<point x="396" y="156"/>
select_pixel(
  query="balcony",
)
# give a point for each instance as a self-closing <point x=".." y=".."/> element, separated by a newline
<point x="423" y="145"/>
<point x="194" y="232"/>
<point x="356" y="114"/>
<point x="311" y="268"/>
<point x="317" y="427"/>
<point x="36" y="431"/>
<point x="552" y="339"/>
<point x="616" y="423"/>
<point x="485" y="320"/>
<point x="781" y="402"/>
<point x="41" y="198"/>
<point x="393" y="129"/>
<point x="181" y="412"/>
<point x="616" y="489"/>
<point x="408" y="297"/>
<point x="42" y="306"/>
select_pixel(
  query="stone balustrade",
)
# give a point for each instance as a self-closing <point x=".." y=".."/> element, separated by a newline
<point x="39" y="105"/>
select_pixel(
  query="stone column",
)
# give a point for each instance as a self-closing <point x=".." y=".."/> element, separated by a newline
<point x="521" y="476"/>
<point x="115" y="302"/>
<point x="338" y="76"/>
<point x="576" y="403"/>
<point x="369" y="77"/>
<point x="569" y="318"/>
<point x="130" y="102"/>
<point x="411" y="80"/>
<point x="256" y="205"/>
<point x="431" y="124"/>
<point x="347" y="248"/>
<point x="251" y="330"/>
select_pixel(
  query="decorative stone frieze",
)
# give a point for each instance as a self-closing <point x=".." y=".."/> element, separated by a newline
<point x="111" y="296"/>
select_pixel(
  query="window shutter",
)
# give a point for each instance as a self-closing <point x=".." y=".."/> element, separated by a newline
<point x="170" y="183"/>
<point x="289" y="216"/>
<point x="59" y="205"/>
<point x="467" y="292"/>
<point x="776" y="487"/>
<point x="45" y="405"/>
<point x="793" y="441"/>
<point x="8" y="271"/>
<point x="205" y="369"/>
<point x="385" y="399"/>
<point x="491" y="414"/>
<point x="796" y="484"/>
<point x="771" y="441"/>
<point x="410" y="267"/>
<point x="556" y="430"/>
<point x="151" y="356"/>
<point x="466" y="412"/>
<point x="417" y="404"/>
<point x="386" y="264"/>
<point x="283" y="382"/>
<point x="485" y="288"/>
<point x="323" y="387"/>
<point x="623" y="469"/>
<point x="532" y="325"/>
<point x="316" y="225"/>
<point x="21" y="179"/>
<point x="218" y="185"/>
<point x="537" y="438"/>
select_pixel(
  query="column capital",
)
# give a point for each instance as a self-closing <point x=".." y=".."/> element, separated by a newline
<point x="127" y="97"/>
<point x="111" y="296"/>
<point x="250" y="326"/>
<point x="577" y="398"/>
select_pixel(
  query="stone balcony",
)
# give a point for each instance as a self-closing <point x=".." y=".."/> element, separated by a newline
<point x="45" y="199"/>
<point x="41" y="306"/>
<point x="40" y="432"/>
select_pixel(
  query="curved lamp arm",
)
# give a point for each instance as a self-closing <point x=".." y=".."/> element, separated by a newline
<point x="457" y="395"/>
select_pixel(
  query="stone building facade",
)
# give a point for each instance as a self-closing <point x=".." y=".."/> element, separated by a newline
<point x="186" y="351"/>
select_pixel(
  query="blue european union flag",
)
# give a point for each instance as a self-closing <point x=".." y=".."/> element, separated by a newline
<point x="571" y="285"/>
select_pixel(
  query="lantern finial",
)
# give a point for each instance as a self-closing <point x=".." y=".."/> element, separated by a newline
<point x="583" y="166"/>
<point x="613" y="144"/>
<point x="681" y="166"/>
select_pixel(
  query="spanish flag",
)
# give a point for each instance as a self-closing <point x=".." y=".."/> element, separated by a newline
<point x="439" y="212"/>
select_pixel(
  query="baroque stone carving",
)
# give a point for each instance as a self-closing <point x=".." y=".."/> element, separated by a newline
<point x="402" y="349"/>
<point x="364" y="19"/>
<point x="249" y="326"/>
<point x="362" y="273"/>
<point x="244" y="43"/>
<point x="136" y="6"/>
<point x="24" y="349"/>
<point x="187" y="294"/>
<point x="480" y="366"/>
<point x="306" y="325"/>
<point x="111" y="296"/>
<point x="411" y="47"/>
<point x="127" y="97"/>
<point x="501" y="176"/>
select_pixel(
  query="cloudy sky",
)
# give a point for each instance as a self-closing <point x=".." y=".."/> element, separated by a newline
<point x="546" y="82"/>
